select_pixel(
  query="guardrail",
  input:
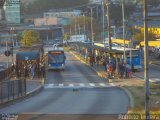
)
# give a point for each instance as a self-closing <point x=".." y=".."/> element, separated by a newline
<point x="10" y="90"/>
<point x="5" y="74"/>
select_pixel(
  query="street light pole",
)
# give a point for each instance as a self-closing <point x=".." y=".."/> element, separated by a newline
<point x="108" y="25"/>
<point x="124" y="54"/>
<point x="146" y="76"/>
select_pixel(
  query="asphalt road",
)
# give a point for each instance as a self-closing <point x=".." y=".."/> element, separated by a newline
<point x="153" y="72"/>
<point x="61" y="94"/>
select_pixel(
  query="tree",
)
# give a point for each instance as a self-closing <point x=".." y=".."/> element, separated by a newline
<point x="116" y="12"/>
<point x="139" y="35"/>
<point x="29" y="37"/>
<point x="78" y="23"/>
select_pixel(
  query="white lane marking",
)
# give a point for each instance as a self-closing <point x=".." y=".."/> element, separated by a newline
<point x="112" y="84"/>
<point x="71" y="85"/>
<point x="61" y="85"/>
<point x="49" y="86"/>
<point x="82" y="84"/>
<point x="102" y="84"/>
<point x="92" y="84"/>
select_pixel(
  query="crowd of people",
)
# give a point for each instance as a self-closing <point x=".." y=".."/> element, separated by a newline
<point x="123" y="71"/>
<point x="30" y="69"/>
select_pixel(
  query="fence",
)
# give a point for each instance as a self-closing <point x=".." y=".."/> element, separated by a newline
<point x="10" y="90"/>
<point x="5" y="74"/>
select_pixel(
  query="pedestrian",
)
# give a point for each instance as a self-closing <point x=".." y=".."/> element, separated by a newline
<point x="32" y="71"/>
<point x="109" y="70"/>
<point x="97" y="60"/>
<point x="121" y="70"/>
<point x="43" y="71"/>
<point x="13" y="69"/>
<point x="133" y="68"/>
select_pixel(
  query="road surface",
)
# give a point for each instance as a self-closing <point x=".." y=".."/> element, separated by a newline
<point x="76" y="90"/>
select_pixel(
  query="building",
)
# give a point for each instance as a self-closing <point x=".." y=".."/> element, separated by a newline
<point x="67" y="13"/>
<point x="12" y="11"/>
<point x="45" y="21"/>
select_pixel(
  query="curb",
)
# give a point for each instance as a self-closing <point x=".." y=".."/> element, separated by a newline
<point x="28" y="95"/>
<point x="131" y="100"/>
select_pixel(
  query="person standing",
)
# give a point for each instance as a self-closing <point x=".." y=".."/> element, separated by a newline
<point x="32" y="71"/>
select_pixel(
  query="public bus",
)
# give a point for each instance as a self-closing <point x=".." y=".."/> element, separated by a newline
<point x="133" y="57"/>
<point x="56" y="59"/>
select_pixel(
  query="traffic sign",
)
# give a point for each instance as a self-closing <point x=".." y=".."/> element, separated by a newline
<point x="7" y="53"/>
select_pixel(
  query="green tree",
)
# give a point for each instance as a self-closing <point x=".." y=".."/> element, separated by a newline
<point x="29" y="37"/>
<point x="139" y="35"/>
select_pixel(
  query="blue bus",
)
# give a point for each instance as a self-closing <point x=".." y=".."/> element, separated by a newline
<point x="56" y="59"/>
<point x="133" y="56"/>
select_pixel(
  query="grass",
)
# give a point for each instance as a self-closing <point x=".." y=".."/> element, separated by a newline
<point x="138" y="93"/>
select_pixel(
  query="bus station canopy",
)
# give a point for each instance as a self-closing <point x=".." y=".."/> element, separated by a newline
<point x="27" y="55"/>
<point x="113" y="51"/>
<point x="120" y="41"/>
<point x="151" y="43"/>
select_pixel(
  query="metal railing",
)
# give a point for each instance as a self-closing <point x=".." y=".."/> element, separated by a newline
<point x="10" y="90"/>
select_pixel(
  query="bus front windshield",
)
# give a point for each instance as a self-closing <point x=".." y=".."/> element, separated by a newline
<point x="55" y="58"/>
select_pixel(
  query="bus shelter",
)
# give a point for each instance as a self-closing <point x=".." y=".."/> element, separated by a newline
<point x="24" y="61"/>
<point x="88" y="50"/>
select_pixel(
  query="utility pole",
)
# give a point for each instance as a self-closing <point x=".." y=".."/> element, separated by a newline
<point x="146" y="76"/>
<point x="108" y="24"/>
<point x="47" y="28"/>
<point x="124" y="54"/>
<point x="12" y="47"/>
<point x="84" y="23"/>
<point x="103" y="37"/>
<point x="91" y="7"/>
<point x="7" y="53"/>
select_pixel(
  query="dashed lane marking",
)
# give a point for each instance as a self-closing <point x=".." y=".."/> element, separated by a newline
<point x="80" y="85"/>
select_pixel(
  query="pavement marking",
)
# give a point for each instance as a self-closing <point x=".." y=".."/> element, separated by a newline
<point x="102" y="84"/>
<point x="71" y="85"/>
<point x="92" y="84"/>
<point x="112" y="84"/>
<point x="82" y="84"/>
<point x="49" y="86"/>
<point x="61" y="85"/>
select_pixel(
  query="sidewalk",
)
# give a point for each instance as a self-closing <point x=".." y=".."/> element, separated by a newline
<point x="100" y="70"/>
